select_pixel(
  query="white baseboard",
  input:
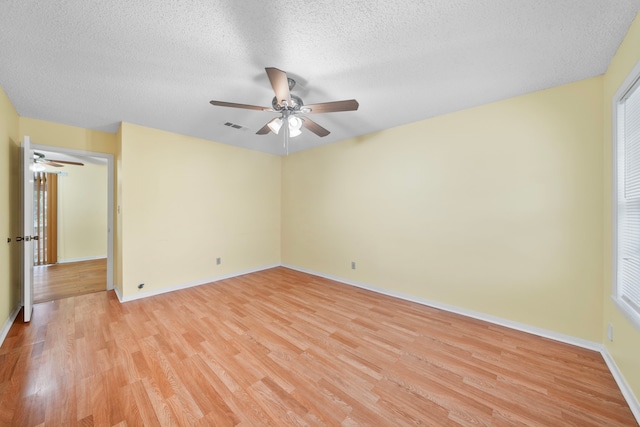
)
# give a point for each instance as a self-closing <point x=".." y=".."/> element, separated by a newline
<point x="89" y="258"/>
<point x="118" y="294"/>
<point x="634" y="405"/>
<point x="190" y="284"/>
<point x="8" y="323"/>
<point x="591" y="345"/>
<point x="631" y="399"/>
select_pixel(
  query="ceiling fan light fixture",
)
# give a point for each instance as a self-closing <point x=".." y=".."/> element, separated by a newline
<point x="289" y="105"/>
<point x="275" y="125"/>
<point x="37" y="167"/>
<point x="295" y="123"/>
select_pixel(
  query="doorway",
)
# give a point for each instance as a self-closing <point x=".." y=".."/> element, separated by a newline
<point x="83" y="256"/>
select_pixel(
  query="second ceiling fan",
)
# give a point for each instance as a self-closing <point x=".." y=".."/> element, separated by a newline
<point x="41" y="159"/>
<point x="291" y="108"/>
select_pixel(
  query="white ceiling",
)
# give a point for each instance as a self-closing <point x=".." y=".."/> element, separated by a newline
<point x="95" y="63"/>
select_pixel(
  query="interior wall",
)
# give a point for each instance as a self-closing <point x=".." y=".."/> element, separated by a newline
<point x="625" y="347"/>
<point x="185" y="202"/>
<point x="82" y="213"/>
<point x="9" y="215"/>
<point x="495" y="209"/>
<point x="63" y="136"/>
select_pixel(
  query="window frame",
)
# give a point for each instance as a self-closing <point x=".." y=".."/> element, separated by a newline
<point x="631" y="82"/>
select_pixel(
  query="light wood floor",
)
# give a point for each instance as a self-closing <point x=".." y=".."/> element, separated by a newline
<point x="57" y="281"/>
<point x="284" y="348"/>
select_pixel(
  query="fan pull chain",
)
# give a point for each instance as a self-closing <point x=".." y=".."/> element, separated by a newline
<point x="286" y="137"/>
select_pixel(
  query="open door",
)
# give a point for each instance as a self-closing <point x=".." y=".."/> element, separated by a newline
<point x="27" y="228"/>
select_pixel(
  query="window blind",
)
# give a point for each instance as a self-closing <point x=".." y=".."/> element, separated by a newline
<point x="628" y="112"/>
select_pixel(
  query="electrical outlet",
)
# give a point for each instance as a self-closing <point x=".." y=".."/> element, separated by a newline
<point x="218" y="261"/>
<point x="610" y="332"/>
<point x="353" y="265"/>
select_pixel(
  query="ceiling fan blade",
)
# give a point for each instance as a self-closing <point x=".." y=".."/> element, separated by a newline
<point x="280" y="85"/>
<point x="266" y="129"/>
<point x="234" y="105"/>
<point x="314" y="127"/>
<point x="50" y="163"/>
<point x="331" y="107"/>
<point x="65" y="162"/>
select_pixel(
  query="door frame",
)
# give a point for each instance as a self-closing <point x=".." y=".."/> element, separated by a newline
<point x="110" y="197"/>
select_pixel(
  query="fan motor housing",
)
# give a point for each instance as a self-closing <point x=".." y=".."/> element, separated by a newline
<point x="296" y="102"/>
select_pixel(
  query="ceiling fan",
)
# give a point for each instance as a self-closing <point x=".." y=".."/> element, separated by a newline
<point x="291" y="108"/>
<point x="40" y="159"/>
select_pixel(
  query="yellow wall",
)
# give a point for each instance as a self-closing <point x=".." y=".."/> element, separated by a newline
<point x="186" y="201"/>
<point x="82" y="213"/>
<point x="63" y="136"/>
<point x="625" y="348"/>
<point x="237" y="192"/>
<point x="495" y="209"/>
<point x="9" y="209"/>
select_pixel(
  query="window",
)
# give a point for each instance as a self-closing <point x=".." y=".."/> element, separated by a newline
<point x="627" y="197"/>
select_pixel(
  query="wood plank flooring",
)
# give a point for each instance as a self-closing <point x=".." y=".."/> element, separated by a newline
<point x="280" y="348"/>
<point x="57" y="281"/>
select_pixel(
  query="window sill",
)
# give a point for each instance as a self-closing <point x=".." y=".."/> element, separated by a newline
<point x="628" y="312"/>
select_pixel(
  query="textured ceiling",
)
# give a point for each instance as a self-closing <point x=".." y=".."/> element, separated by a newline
<point x="95" y="63"/>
